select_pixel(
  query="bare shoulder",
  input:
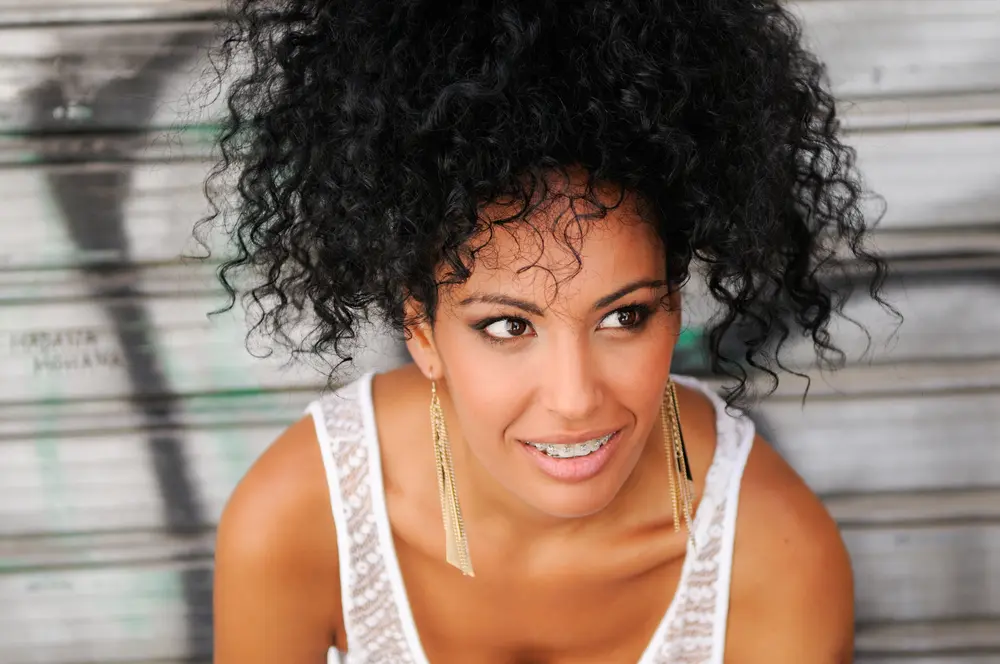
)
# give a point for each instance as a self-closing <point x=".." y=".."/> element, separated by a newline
<point x="277" y="594"/>
<point x="792" y="590"/>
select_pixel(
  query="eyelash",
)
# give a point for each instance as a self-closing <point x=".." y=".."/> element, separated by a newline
<point x="643" y="311"/>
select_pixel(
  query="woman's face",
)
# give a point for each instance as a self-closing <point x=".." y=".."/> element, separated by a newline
<point x="556" y="369"/>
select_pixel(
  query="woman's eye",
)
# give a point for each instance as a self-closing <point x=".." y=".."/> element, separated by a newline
<point x="624" y="319"/>
<point x="507" y="328"/>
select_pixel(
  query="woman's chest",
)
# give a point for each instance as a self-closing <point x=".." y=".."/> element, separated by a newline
<point x="562" y="619"/>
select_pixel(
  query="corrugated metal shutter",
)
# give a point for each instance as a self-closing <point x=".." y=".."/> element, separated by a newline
<point x="906" y="446"/>
<point x="126" y="416"/>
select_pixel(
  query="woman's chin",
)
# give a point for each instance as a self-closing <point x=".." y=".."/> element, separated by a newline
<point x="575" y="501"/>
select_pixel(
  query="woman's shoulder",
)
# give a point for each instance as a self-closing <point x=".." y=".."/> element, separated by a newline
<point x="284" y="498"/>
<point x="277" y="506"/>
<point x="791" y="569"/>
<point x="791" y="572"/>
<point x="276" y="543"/>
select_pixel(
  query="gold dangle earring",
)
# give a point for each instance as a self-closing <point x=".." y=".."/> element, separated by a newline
<point x="456" y="544"/>
<point x="679" y="470"/>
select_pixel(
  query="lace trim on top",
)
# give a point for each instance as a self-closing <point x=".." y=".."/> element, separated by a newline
<point x="372" y="614"/>
<point x="693" y="631"/>
<point x="377" y="616"/>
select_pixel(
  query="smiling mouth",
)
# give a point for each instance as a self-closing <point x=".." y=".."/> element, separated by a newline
<point x="573" y="451"/>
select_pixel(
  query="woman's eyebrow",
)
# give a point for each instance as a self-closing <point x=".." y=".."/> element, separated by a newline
<point x="535" y="310"/>
<point x="503" y="300"/>
<point x="626" y="289"/>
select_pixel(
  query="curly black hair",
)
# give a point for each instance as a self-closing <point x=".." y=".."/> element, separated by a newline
<point x="366" y="136"/>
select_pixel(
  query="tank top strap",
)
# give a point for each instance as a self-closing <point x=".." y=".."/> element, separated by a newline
<point x="694" y="629"/>
<point x="372" y="592"/>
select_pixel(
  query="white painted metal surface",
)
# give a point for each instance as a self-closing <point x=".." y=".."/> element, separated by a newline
<point x="111" y="488"/>
<point x="906" y="47"/>
<point x="19" y="12"/>
<point x="933" y="178"/>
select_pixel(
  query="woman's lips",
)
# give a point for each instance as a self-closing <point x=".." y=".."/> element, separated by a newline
<point x="571" y="438"/>
<point x="575" y="469"/>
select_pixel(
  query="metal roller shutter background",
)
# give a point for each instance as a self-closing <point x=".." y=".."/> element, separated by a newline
<point x="126" y="416"/>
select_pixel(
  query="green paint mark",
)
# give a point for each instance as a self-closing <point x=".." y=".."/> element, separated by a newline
<point x="52" y="473"/>
<point x="158" y="588"/>
<point x="13" y="564"/>
<point x="230" y="443"/>
<point x="689" y="339"/>
<point x="53" y="478"/>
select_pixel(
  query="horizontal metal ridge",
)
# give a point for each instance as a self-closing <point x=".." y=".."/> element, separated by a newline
<point x="914" y="508"/>
<point x="938" y="637"/>
<point x="975" y="108"/>
<point x="181" y="143"/>
<point x="251" y="409"/>
<point x="25" y="554"/>
<point x="872" y="380"/>
<point x="18" y="12"/>
<point x="939" y="243"/>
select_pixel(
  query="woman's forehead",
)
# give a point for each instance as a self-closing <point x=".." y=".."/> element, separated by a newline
<point x="572" y="258"/>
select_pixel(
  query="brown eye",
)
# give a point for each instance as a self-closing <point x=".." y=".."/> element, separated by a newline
<point x="507" y="328"/>
<point x="628" y="318"/>
<point x="516" y="328"/>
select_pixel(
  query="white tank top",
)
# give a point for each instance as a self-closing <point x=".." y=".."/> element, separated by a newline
<point x="377" y="616"/>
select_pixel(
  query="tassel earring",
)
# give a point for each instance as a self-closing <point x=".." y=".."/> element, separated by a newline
<point x="679" y="470"/>
<point x="456" y="544"/>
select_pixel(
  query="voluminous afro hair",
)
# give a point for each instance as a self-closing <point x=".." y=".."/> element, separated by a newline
<point x="366" y="136"/>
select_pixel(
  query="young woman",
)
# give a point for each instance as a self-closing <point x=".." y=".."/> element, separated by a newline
<point x="523" y="189"/>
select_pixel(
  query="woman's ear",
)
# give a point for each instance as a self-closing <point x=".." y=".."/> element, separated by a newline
<point x="420" y="340"/>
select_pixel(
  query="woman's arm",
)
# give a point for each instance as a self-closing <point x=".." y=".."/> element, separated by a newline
<point x="277" y="587"/>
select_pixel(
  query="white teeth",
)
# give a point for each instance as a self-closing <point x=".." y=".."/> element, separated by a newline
<point x="572" y="451"/>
